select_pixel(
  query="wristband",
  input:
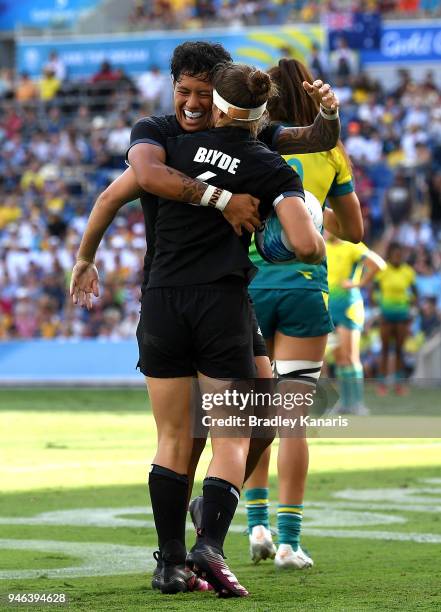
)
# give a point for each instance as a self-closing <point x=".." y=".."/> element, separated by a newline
<point x="216" y="197"/>
<point x="89" y="261"/>
<point x="330" y="116"/>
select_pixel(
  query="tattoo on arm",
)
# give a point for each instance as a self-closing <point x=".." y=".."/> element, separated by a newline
<point x="322" y="135"/>
<point x="191" y="190"/>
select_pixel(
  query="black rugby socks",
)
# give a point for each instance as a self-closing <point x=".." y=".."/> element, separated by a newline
<point x="168" y="494"/>
<point x="220" y="503"/>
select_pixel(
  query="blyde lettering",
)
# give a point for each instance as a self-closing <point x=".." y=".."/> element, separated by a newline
<point x="217" y="158"/>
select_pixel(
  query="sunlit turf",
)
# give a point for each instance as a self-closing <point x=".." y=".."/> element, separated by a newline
<point x="62" y="450"/>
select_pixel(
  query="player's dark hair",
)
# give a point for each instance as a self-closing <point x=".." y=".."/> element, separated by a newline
<point x="293" y="105"/>
<point x="197" y="59"/>
<point x="246" y="87"/>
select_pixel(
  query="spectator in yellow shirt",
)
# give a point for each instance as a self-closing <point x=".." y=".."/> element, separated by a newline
<point x="49" y="85"/>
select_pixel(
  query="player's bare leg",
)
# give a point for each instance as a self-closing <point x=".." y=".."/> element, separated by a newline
<point x="292" y="357"/>
<point x="347" y="356"/>
<point x="386" y="334"/>
<point x="221" y="491"/>
<point x="401" y="333"/>
<point x="256" y="486"/>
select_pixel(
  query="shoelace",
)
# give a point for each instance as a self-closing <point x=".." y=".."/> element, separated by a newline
<point x="157" y="555"/>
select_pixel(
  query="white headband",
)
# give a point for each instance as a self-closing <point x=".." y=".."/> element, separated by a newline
<point x="236" y="112"/>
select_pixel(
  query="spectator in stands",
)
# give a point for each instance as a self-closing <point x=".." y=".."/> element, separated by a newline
<point x="104" y="84"/>
<point x="139" y="14"/>
<point x="118" y="142"/>
<point x="10" y="210"/>
<point x="317" y="63"/>
<point x="106" y="73"/>
<point x="56" y="65"/>
<point x="434" y="128"/>
<point x="344" y="61"/>
<point x="12" y="121"/>
<point x="428" y="280"/>
<point x="435" y="201"/>
<point x="82" y="119"/>
<point x="413" y="136"/>
<point x="54" y="122"/>
<point x="49" y="85"/>
<point x="416" y="115"/>
<point x="153" y="86"/>
<point x="6" y="83"/>
<point x="26" y="90"/>
<point x="56" y="226"/>
<point x="343" y="90"/>
<point x="356" y="142"/>
<point x="398" y="200"/>
<point x="430" y="318"/>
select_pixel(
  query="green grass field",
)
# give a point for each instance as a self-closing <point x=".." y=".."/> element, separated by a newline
<point x="75" y="515"/>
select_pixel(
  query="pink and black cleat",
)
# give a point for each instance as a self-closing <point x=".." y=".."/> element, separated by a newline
<point x="209" y="564"/>
<point x="180" y="579"/>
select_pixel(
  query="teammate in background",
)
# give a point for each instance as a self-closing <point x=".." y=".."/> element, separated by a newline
<point x="350" y="268"/>
<point x="291" y="307"/>
<point x="191" y="68"/>
<point x="396" y="291"/>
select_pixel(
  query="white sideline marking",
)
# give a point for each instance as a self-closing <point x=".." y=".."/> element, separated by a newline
<point x="421" y="538"/>
<point x="394" y="506"/>
<point x="93" y="559"/>
<point x="358" y="510"/>
<point x="417" y="495"/>
<point x="321" y="515"/>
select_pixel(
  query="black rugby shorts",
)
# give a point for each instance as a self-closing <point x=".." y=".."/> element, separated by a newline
<point x="259" y="346"/>
<point x="199" y="328"/>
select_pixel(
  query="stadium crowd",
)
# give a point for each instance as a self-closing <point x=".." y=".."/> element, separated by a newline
<point x="192" y="14"/>
<point x="63" y="142"/>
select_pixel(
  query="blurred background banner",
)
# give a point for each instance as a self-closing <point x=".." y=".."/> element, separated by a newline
<point x="44" y="13"/>
<point x="82" y="56"/>
<point x="39" y="362"/>
<point x="408" y="42"/>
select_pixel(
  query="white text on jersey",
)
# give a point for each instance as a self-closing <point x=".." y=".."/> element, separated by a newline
<point x="217" y="158"/>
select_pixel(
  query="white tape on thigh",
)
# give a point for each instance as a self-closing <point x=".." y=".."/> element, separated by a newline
<point x="297" y="368"/>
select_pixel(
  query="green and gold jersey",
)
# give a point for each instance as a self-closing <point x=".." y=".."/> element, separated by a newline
<point x="344" y="263"/>
<point x="394" y="284"/>
<point x="323" y="174"/>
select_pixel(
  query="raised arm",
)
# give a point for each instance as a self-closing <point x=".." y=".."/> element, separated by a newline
<point x="323" y="134"/>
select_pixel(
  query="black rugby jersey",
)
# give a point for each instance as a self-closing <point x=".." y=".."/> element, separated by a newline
<point x="156" y="130"/>
<point x="196" y="244"/>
